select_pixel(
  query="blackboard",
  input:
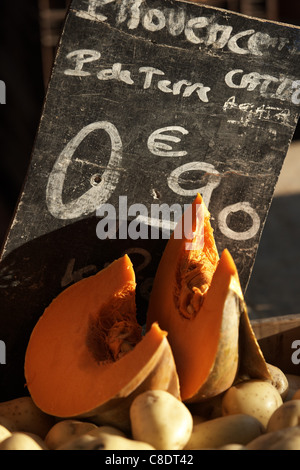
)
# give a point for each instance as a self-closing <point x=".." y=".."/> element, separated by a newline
<point x="149" y="102"/>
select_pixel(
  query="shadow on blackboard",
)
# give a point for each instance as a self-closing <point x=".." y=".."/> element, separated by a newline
<point x="274" y="287"/>
<point x="32" y="275"/>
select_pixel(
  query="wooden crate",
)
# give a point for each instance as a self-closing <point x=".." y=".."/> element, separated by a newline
<point x="279" y="339"/>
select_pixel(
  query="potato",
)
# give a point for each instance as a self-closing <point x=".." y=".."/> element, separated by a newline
<point x="256" y="398"/>
<point x="107" y="430"/>
<point x="218" y="432"/>
<point x="66" y="430"/>
<point x="159" y="418"/>
<point x="8" y="424"/>
<point x="105" y="441"/>
<point x="232" y="447"/>
<point x="82" y="442"/>
<point x="279" y="380"/>
<point x="20" y="441"/>
<point x="283" y="439"/>
<point x="287" y="415"/>
<point x="38" y="440"/>
<point x="4" y="433"/>
<point x="26" y="416"/>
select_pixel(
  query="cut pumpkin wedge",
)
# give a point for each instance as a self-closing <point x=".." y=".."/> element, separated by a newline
<point x="197" y="298"/>
<point x="86" y="356"/>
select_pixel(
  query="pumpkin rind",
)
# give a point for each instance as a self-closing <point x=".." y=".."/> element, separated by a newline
<point x="207" y="343"/>
<point x="87" y="351"/>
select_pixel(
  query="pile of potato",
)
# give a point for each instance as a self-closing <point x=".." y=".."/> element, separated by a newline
<point x="251" y="415"/>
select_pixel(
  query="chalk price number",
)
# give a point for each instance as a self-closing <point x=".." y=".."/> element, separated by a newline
<point x="161" y="142"/>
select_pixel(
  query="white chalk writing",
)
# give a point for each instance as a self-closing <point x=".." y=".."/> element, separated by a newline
<point x="98" y="195"/>
<point x="145" y="76"/>
<point x="283" y="88"/>
<point x="81" y="57"/>
<point x="240" y="206"/>
<point x="268" y="86"/>
<point x="95" y="196"/>
<point x="248" y="112"/>
<point x="206" y="191"/>
<point x="162" y="149"/>
<point x="205" y="31"/>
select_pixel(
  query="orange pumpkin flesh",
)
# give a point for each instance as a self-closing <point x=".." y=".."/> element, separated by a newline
<point x="87" y="350"/>
<point x="191" y="268"/>
<point x="197" y="298"/>
<point x="184" y="274"/>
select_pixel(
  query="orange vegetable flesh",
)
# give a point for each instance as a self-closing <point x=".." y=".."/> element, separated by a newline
<point x="197" y="258"/>
<point x="87" y="346"/>
<point x="187" y="300"/>
<point x="196" y="347"/>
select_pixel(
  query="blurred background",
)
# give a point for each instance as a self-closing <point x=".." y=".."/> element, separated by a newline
<point x="29" y="32"/>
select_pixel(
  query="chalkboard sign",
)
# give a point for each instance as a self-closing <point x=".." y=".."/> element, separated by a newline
<point x="149" y="103"/>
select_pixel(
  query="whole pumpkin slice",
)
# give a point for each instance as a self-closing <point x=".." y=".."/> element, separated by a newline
<point x="197" y="298"/>
<point x="86" y="356"/>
